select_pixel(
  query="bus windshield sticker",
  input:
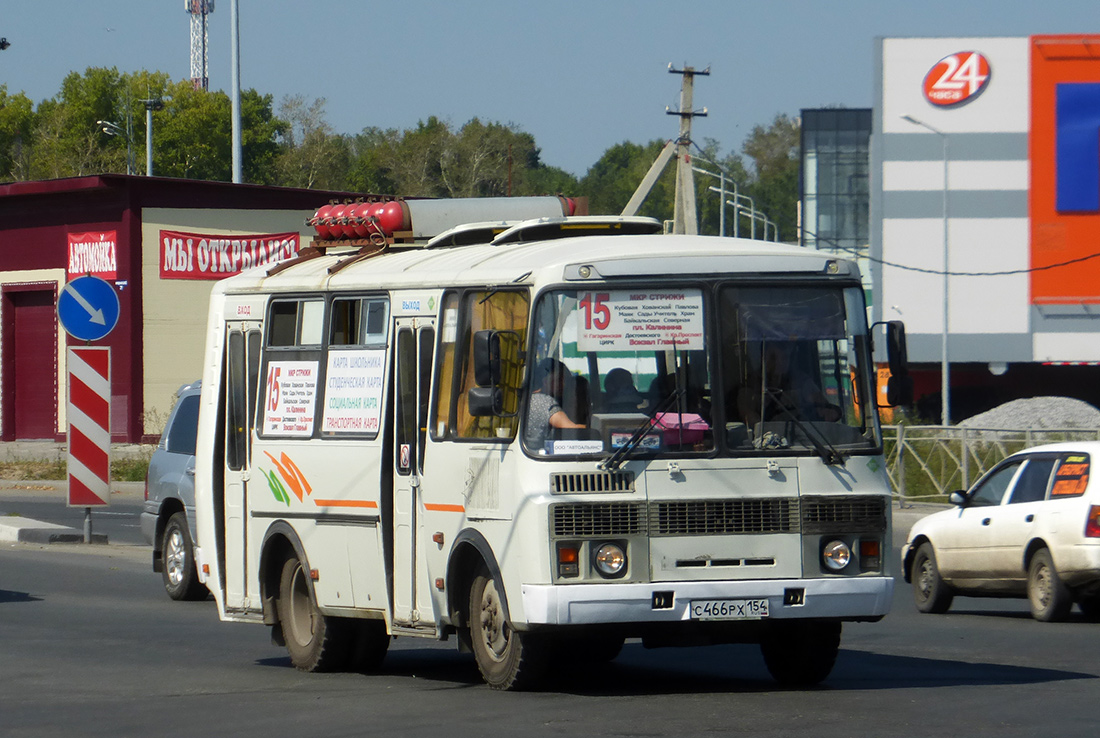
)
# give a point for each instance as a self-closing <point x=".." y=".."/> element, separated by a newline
<point x="353" y="391"/>
<point x="632" y="320"/>
<point x="291" y="391"/>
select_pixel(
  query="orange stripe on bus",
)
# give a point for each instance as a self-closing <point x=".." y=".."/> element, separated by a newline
<point x="346" y="503"/>
<point x="444" y="508"/>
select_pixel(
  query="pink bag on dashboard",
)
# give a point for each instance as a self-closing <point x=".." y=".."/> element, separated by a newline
<point x="680" y="428"/>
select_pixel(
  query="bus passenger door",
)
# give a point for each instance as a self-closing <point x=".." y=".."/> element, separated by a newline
<point x="415" y="342"/>
<point x="242" y="365"/>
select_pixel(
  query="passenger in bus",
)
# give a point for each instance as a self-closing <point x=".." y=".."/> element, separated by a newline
<point x="620" y="394"/>
<point x="544" y="410"/>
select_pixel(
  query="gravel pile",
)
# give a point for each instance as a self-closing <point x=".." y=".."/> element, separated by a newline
<point x="1037" y="413"/>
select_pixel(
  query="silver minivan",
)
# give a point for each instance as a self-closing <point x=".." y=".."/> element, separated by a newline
<point x="168" y="515"/>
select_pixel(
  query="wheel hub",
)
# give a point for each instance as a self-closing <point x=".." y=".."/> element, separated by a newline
<point x="173" y="557"/>
<point x="493" y="627"/>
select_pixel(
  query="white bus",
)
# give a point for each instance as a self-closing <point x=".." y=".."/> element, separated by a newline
<point x="545" y="441"/>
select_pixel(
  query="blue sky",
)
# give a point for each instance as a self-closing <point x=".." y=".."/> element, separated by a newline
<point x="579" y="76"/>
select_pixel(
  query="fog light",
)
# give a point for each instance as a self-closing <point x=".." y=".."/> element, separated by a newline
<point x="836" y="555"/>
<point x="610" y="560"/>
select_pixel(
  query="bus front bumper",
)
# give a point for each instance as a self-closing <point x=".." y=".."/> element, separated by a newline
<point x="855" y="598"/>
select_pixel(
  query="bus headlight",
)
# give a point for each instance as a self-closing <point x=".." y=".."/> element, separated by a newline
<point x="610" y="560"/>
<point x="836" y="555"/>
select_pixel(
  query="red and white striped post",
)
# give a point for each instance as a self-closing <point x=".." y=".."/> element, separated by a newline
<point x="89" y="415"/>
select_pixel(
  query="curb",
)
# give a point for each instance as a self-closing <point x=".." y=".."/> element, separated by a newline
<point x="25" y="530"/>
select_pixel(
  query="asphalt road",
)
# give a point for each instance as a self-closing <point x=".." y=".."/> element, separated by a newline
<point x="46" y="501"/>
<point x="90" y="645"/>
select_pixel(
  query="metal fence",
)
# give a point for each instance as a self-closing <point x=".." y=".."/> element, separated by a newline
<point x="928" y="462"/>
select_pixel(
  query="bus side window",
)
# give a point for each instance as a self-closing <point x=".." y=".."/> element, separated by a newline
<point x="462" y="317"/>
<point x="291" y="360"/>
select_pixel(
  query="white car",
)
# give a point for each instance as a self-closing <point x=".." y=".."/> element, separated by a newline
<point x="1029" y="527"/>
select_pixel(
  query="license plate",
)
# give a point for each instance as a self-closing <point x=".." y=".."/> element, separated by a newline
<point x="728" y="609"/>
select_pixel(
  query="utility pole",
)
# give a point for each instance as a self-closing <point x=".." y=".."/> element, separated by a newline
<point x="685" y="217"/>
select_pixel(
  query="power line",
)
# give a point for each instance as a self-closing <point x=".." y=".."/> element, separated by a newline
<point x="940" y="272"/>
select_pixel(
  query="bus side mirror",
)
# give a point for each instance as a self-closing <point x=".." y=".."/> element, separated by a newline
<point x="486" y="351"/>
<point x="899" y="390"/>
<point x="486" y="401"/>
<point x="897" y="355"/>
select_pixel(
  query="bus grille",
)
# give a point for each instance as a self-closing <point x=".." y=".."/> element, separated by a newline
<point x="592" y="482"/>
<point x="843" y="514"/>
<point x="716" y="517"/>
<point x="598" y="519"/>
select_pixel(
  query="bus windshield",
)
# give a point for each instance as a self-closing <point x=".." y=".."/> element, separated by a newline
<point x="789" y="372"/>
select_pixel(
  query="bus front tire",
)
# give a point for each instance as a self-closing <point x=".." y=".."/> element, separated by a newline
<point x="801" y="654"/>
<point x="507" y="659"/>
<point x="315" y="642"/>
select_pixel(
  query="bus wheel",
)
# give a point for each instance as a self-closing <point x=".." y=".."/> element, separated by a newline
<point x="507" y="659"/>
<point x="181" y="579"/>
<point x="801" y="654"/>
<point x="314" y="642"/>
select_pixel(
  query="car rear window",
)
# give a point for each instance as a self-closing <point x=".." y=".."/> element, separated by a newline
<point x="185" y="426"/>
<point x="1072" y="476"/>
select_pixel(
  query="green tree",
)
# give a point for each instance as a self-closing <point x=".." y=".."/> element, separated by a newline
<point x="310" y="155"/>
<point x="774" y="152"/>
<point x="611" y="181"/>
<point x="16" y="129"/>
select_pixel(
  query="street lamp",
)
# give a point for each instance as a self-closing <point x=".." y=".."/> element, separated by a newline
<point x="150" y="105"/>
<point x="945" y="390"/>
<point x="113" y="129"/>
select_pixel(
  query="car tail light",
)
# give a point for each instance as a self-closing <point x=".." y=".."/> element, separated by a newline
<point x="1092" y="525"/>
<point x="146" y="486"/>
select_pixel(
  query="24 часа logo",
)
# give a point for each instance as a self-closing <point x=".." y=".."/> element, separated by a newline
<point x="957" y="79"/>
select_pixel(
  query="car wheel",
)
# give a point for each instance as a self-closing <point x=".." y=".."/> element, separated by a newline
<point x="315" y="642"/>
<point x="1050" y="598"/>
<point x="930" y="593"/>
<point x="801" y="654"/>
<point x="181" y="577"/>
<point x="506" y="658"/>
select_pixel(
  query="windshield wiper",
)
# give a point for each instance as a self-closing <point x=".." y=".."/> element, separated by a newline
<point x="827" y="451"/>
<point x="615" y="460"/>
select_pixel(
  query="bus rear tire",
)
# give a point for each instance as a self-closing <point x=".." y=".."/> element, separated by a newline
<point x="507" y="659"/>
<point x="315" y="642"/>
<point x="801" y="654"/>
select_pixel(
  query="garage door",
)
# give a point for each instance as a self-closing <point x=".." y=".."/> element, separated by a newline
<point x="30" y="364"/>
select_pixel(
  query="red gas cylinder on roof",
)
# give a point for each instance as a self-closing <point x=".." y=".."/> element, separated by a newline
<point x="319" y="221"/>
<point x="339" y="226"/>
<point x="393" y="217"/>
<point x="357" y="220"/>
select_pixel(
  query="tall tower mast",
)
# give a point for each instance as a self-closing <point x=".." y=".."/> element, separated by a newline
<point x="200" y="37"/>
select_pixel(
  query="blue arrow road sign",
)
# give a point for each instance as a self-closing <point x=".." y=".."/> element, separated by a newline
<point x="88" y="308"/>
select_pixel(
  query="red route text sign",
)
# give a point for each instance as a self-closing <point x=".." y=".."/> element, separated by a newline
<point x="212" y="256"/>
